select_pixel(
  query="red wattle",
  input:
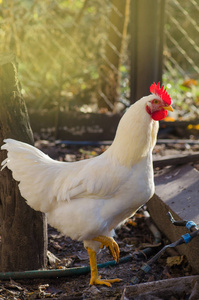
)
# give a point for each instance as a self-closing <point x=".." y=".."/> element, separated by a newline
<point x="159" y="115"/>
<point x="148" y="110"/>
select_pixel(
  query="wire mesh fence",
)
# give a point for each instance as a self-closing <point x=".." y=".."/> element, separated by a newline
<point x="181" y="49"/>
<point x="75" y="54"/>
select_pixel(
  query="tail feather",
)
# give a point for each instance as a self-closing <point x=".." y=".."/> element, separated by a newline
<point x="44" y="182"/>
<point x="35" y="171"/>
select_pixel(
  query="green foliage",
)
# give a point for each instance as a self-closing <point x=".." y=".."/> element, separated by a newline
<point x="58" y="46"/>
<point x="184" y="93"/>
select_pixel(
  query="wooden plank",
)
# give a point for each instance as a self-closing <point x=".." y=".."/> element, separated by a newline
<point x="177" y="190"/>
<point x="176" y="160"/>
<point x="160" y="288"/>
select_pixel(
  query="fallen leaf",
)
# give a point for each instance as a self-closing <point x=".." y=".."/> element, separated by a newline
<point x="175" y="260"/>
<point x="52" y="259"/>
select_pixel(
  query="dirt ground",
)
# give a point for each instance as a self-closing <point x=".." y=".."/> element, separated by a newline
<point x="131" y="237"/>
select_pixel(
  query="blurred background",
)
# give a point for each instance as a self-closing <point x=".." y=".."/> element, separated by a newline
<point x="84" y="56"/>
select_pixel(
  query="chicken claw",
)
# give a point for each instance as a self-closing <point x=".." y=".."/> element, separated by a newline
<point x="95" y="278"/>
<point x="110" y="243"/>
<point x="106" y="282"/>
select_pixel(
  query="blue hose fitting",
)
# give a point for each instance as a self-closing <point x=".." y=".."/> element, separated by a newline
<point x="187" y="238"/>
<point x="146" y="268"/>
<point x="190" y="224"/>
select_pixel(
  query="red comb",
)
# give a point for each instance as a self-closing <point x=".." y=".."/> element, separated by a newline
<point x="161" y="92"/>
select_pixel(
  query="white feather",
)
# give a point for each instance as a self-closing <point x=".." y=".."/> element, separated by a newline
<point x="91" y="197"/>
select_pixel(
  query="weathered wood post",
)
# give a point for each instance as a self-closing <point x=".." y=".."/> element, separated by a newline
<point x="146" y="49"/>
<point x="109" y="73"/>
<point x="23" y="230"/>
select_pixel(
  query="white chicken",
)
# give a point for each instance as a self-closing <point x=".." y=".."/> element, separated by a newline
<point x="87" y="199"/>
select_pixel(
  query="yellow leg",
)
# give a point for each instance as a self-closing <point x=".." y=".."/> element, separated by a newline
<point x="111" y="244"/>
<point x="95" y="278"/>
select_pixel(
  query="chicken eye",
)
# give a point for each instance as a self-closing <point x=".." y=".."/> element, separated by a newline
<point x="156" y="101"/>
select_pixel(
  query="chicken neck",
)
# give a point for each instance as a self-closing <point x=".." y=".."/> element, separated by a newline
<point x="135" y="137"/>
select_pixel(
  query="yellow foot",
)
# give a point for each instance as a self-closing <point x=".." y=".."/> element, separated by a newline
<point x="111" y="244"/>
<point x="95" y="278"/>
<point x="107" y="282"/>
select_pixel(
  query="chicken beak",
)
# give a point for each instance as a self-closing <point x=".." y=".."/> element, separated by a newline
<point x="169" y="107"/>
